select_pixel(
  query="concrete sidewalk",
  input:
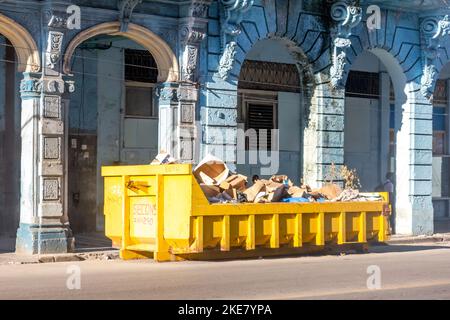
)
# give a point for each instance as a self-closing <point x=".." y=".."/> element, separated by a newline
<point x="92" y="246"/>
<point x="97" y="247"/>
<point x="438" y="237"/>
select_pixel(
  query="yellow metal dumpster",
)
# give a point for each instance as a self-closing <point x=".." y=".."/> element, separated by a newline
<point x="161" y="212"/>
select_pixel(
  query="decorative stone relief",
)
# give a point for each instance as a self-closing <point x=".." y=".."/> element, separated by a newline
<point x="50" y="189"/>
<point x="168" y="94"/>
<point x="199" y="8"/>
<point x="231" y="15"/>
<point x="53" y="54"/>
<point x="188" y="93"/>
<point x="52" y="106"/>
<point x="186" y="150"/>
<point x="346" y="16"/>
<point x="190" y="63"/>
<point x="54" y="85"/>
<point x="52" y="147"/>
<point x="30" y="86"/>
<point x="227" y="60"/>
<point x="192" y="39"/>
<point x="126" y="8"/>
<point x="433" y="30"/>
<point x="337" y="69"/>
<point x="231" y="18"/>
<point x="187" y="113"/>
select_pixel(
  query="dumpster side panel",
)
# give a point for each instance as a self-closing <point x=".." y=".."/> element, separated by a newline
<point x="177" y="207"/>
<point x="113" y="209"/>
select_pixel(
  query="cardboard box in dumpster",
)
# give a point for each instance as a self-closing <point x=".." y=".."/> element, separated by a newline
<point x="211" y="171"/>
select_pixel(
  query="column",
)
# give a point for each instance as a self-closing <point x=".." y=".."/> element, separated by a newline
<point x="219" y="122"/>
<point x="44" y="224"/>
<point x="414" y="208"/>
<point x="168" y="109"/>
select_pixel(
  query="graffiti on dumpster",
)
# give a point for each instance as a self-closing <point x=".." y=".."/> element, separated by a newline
<point x="144" y="218"/>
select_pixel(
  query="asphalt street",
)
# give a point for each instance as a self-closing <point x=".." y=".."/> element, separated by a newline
<point x="402" y="272"/>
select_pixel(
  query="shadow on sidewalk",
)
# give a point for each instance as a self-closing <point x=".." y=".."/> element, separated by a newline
<point x="88" y="242"/>
<point x="388" y="248"/>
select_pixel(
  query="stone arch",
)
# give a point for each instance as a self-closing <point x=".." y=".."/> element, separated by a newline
<point x="439" y="62"/>
<point x="397" y="73"/>
<point x="400" y="51"/>
<point x="24" y="44"/>
<point x="304" y="67"/>
<point x="306" y="39"/>
<point x="165" y="58"/>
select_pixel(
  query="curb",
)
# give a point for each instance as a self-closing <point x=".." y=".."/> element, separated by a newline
<point x="67" y="257"/>
<point x="91" y="256"/>
<point x="420" y="239"/>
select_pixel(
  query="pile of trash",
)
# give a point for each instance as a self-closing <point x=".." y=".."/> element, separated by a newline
<point x="220" y="185"/>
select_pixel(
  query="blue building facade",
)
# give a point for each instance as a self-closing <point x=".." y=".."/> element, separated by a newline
<point x="91" y="83"/>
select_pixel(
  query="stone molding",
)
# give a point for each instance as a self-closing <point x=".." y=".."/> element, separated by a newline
<point x="433" y="30"/>
<point x="24" y="45"/>
<point x="126" y="8"/>
<point x="232" y="13"/>
<point x="165" y="58"/>
<point x="346" y="16"/>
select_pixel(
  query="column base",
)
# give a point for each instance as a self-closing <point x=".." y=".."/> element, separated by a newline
<point x="47" y="239"/>
<point x="414" y="222"/>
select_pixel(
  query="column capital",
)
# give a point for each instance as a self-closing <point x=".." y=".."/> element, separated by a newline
<point x="432" y="31"/>
<point x="31" y="85"/>
<point x="346" y="16"/>
<point x="167" y="92"/>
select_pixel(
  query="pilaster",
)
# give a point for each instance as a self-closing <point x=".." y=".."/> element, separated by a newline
<point x="44" y="225"/>
<point x="414" y="208"/>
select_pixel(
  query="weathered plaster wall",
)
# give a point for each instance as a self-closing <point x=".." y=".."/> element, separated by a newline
<point x="366" y="140"/>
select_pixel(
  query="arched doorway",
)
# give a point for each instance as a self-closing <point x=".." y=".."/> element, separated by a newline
<point x="113" y="119"/>
<point x="369" y="141"/>
<point x="270" y="111"/>
<point x="441" y="152"/>
<point x="9" y="139"/>
<point x="374" y="96"/>
<point x="18" y="53"/>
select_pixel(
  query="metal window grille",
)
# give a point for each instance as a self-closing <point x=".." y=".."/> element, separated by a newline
<point x="140" y="66"/>
<point x="363" y="85"/>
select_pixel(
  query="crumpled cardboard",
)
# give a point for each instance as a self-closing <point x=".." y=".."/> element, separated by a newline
<point x="211" y="171"/>
<point x="163" y="158"/>
<point x="254" y="190"/>
<point x="330" y="191"/>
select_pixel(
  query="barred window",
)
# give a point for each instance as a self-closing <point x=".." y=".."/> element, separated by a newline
<point x="140" y="66"/>
<point x="141" y="73"/>
<point x="260" y="117"/>
<point x="363" y="85"/>
<point x="440" y="116"/>
<point x="440" y="92"/>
